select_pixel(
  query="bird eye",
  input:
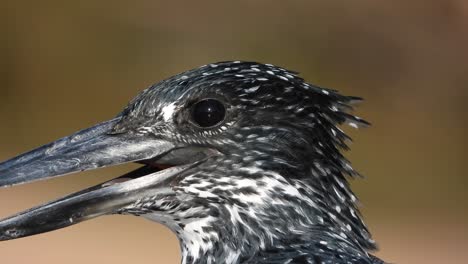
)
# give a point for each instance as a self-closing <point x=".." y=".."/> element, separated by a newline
<point x="208" y="112"/>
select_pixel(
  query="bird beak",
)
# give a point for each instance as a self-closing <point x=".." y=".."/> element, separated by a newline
<point x="85" y="150"/>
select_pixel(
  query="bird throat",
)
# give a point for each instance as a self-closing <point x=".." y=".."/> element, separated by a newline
<point x="250" y="223"/>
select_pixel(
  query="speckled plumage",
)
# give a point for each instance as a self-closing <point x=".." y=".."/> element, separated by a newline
<point x="268" y="184"/>
<point x="279" y="193"/>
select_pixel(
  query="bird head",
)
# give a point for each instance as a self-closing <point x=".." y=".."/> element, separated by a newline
<point x="228" y="150"/>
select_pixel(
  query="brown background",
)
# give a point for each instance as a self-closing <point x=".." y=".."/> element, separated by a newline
<point x="66" y="65"/>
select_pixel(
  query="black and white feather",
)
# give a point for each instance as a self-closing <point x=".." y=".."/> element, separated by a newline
<point x="279" y="193"/>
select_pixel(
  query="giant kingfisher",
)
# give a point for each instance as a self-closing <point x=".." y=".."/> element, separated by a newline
<point x="241" y="160"/>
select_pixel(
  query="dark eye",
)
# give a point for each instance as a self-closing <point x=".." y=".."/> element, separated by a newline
<point x="208" y="112"/>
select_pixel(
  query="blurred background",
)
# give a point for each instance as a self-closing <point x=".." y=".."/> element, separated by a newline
<point x="66" y="65"/>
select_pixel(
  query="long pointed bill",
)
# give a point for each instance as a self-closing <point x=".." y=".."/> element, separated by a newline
<point x="85" y="150"/>
<point x="89" y="149"/>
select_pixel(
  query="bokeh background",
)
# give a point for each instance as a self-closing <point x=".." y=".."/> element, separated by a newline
<point x="66" y="65"/>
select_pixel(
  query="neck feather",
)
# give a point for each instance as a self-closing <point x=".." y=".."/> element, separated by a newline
<point x="303" y="210"/>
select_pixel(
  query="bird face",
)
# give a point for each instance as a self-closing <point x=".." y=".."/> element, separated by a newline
<point x="247" y="141"/>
